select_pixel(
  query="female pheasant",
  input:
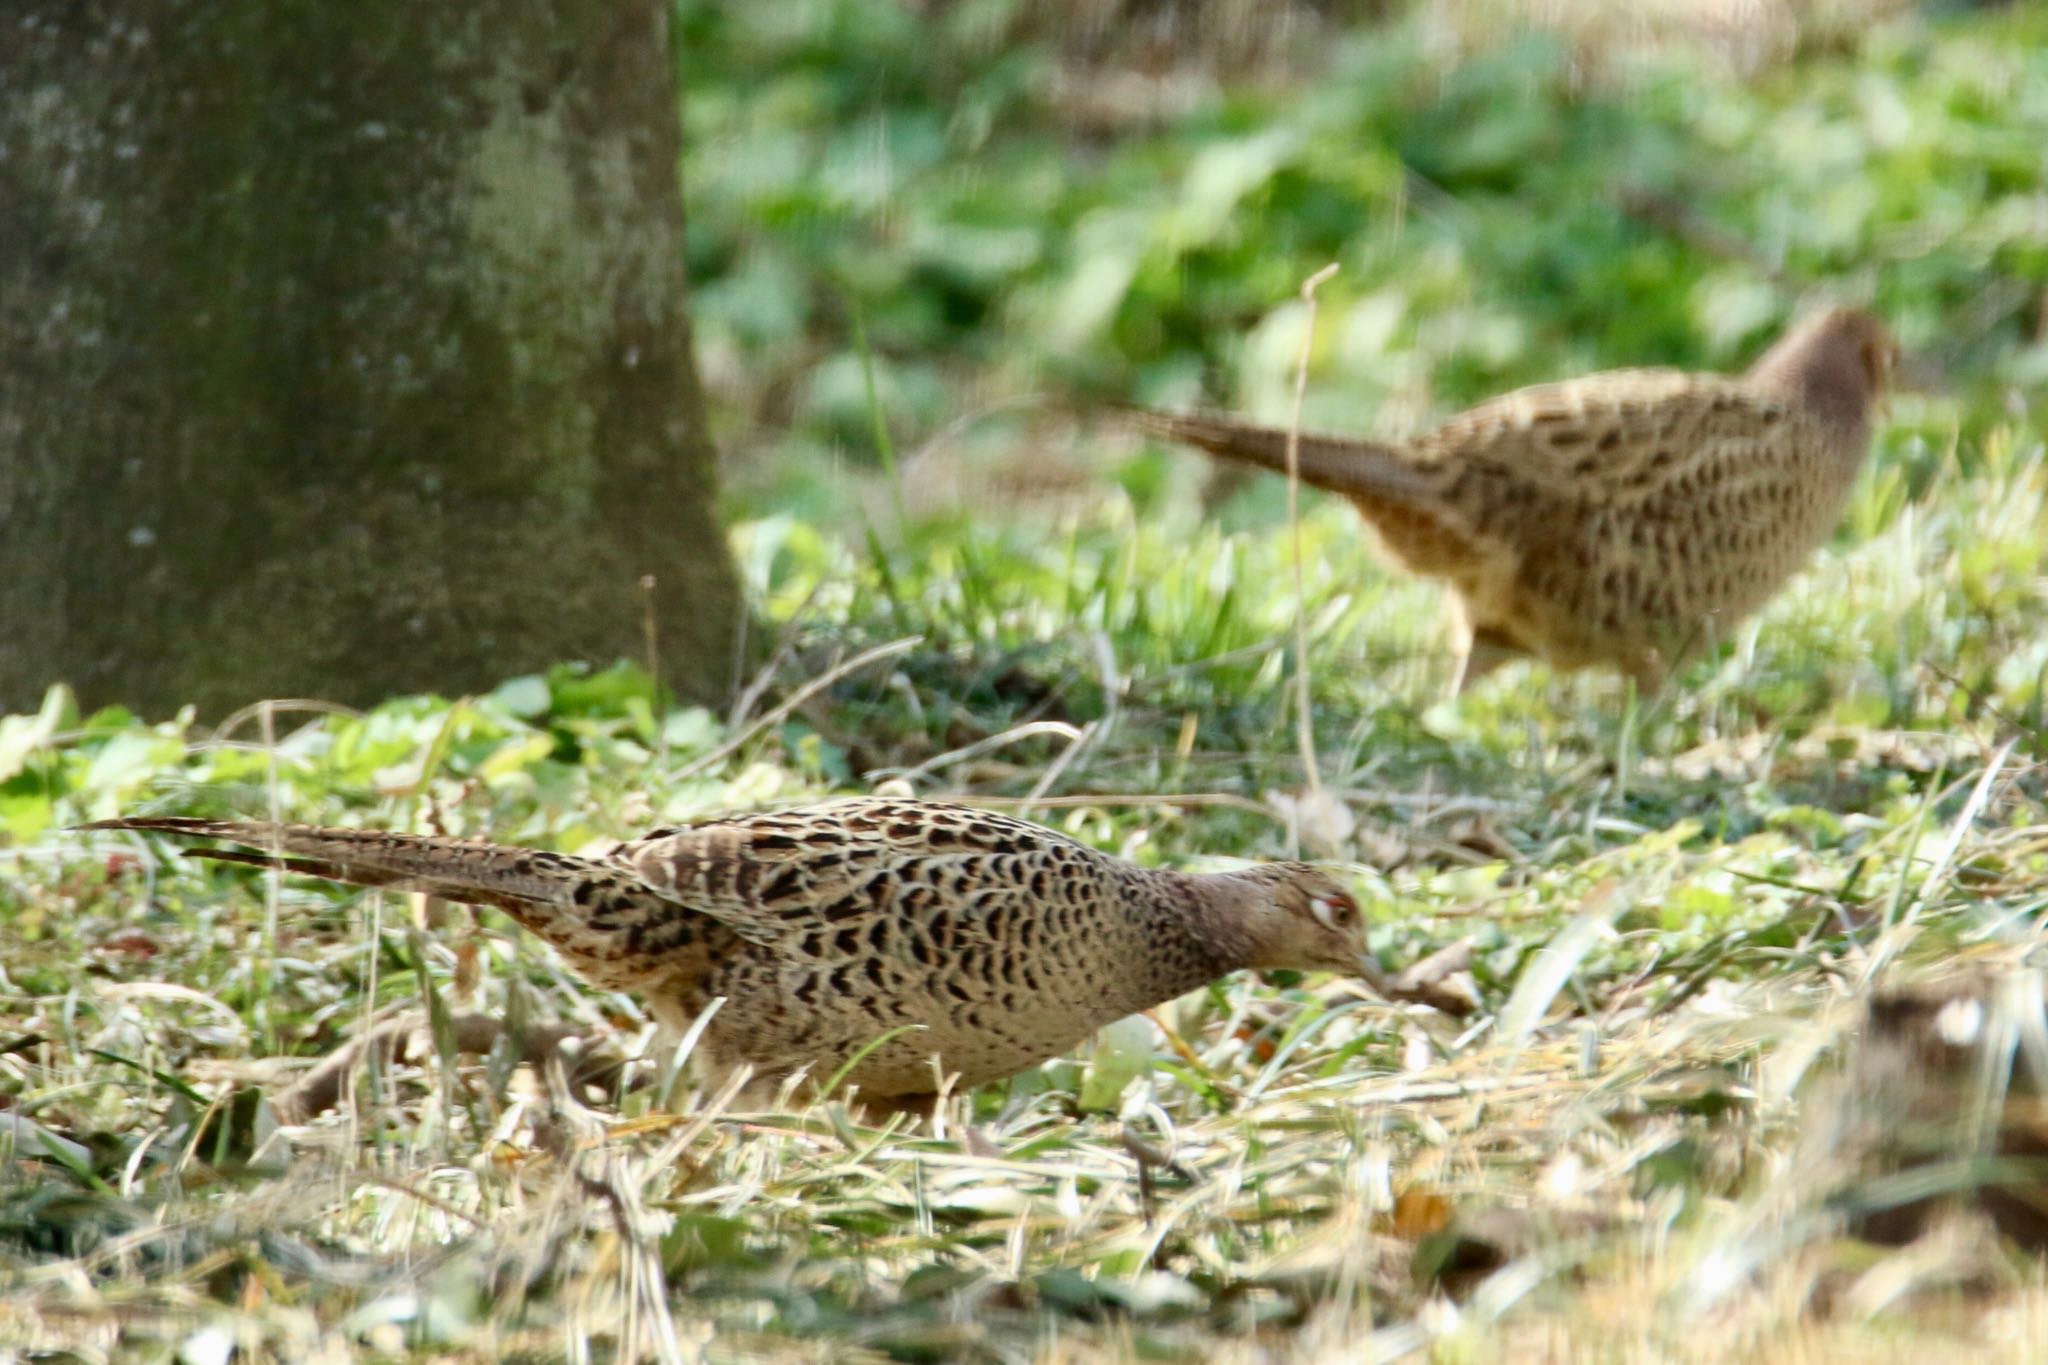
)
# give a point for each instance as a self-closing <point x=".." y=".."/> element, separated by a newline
<point x="949" y="933"/>
<point x="1622" y="519"/>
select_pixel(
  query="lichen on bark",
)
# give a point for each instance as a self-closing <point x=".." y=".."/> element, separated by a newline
<point x="344" y="352"/>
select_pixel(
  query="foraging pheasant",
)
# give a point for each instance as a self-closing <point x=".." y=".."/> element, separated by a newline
<point x="985" y="941"/>
<point x="1621" y="519"/>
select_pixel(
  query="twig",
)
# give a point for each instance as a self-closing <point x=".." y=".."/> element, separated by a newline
<point x="960" y="424"/>
<point x="1429" y="980"/>
<point x="765" y="677"/>
<point x="986" y="744"/>
<point x="794" y="700"/>
<point x="432" y="1201"/>
<point x="650" y="640"/>
<point x="1094" y="731"/>
<point x="1243" y="803"/>
<point x="1682" y="221"/>
<point x="1303" y="722"/>
<point x="268" y="708"/>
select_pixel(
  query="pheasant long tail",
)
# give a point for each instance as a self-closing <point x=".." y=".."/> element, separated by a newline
<point x="1339" y="464"/>
<point x="532" y="885"/>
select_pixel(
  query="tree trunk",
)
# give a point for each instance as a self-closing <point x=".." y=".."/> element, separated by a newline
<point x="343" y="351"/>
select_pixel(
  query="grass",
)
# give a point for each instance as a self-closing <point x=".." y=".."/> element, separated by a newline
<point x="1754" y="960"/>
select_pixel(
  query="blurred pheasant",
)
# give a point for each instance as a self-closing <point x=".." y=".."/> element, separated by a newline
<point x="943" y="931"/>
<point x="1623" y="519"/>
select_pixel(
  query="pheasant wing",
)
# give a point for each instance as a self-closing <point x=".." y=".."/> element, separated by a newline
<point x="801" y="879"/>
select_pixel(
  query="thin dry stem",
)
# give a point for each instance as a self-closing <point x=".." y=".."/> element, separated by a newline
<point x="1304" y="721"/>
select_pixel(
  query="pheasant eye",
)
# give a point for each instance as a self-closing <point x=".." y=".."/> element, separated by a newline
<point x="1332" y="912"/>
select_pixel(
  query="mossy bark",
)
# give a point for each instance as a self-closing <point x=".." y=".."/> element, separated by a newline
<point x="344" y="352"/>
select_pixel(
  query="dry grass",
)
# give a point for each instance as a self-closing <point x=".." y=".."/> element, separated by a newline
<point x="1697" y="1113"/>
<point x="1678" y="1155"/>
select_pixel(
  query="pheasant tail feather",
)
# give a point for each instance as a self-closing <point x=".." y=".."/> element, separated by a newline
<point x="1337" y="464"/>
<point x="543" y="891"/>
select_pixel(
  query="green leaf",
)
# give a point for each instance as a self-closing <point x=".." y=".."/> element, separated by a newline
<point x="21" y="736"/>
<point x="526" y="697"/>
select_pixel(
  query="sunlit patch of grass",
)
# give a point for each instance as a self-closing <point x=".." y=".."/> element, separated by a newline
<point x="1617" y="1147"/>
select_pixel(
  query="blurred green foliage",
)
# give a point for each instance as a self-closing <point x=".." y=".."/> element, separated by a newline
<point x="1502" y="213"/>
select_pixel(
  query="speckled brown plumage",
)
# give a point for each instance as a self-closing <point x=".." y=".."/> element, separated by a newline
<point x="995" y="942"/>
<point x="1624" y="519"/>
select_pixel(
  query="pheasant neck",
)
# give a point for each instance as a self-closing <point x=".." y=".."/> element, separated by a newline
<point x="1826" y="377"/>
<point x="1188" y="933"/>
